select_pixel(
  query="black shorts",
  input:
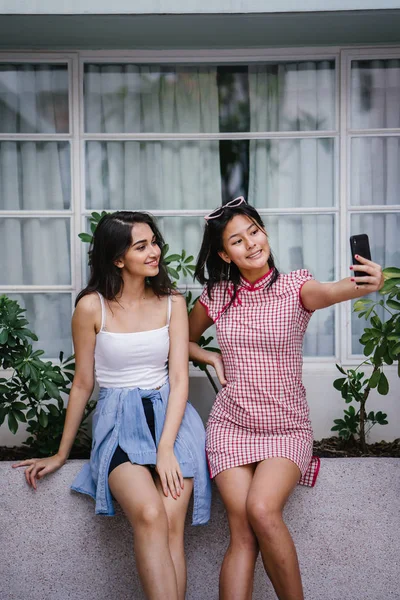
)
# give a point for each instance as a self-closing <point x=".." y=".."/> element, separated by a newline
<point x="119" y="456"/>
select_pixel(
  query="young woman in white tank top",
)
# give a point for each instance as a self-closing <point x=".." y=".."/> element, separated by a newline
<point x="130" y="328"/>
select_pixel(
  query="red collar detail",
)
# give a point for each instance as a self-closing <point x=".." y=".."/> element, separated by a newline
<point x="258" y="284"/>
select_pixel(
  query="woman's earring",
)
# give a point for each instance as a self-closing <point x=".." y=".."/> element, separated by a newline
<point x="229" y="271"/>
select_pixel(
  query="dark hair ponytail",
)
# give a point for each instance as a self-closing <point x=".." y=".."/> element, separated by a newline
<point x="209" y="259"/>
<point x="111" y="240"/>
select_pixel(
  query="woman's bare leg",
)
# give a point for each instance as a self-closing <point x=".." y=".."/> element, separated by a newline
<point x="237" y="571"/>
<point x="134" y="489"/>
<point x="274" y="480"/>
<point x="176" y="513"/>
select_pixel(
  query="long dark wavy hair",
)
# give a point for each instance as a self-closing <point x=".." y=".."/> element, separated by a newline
<point x="210" y="261"/>
<point x="111" y="240"/>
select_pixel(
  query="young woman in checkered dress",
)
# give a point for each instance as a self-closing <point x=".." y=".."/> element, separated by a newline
<point x="259" y="435"/>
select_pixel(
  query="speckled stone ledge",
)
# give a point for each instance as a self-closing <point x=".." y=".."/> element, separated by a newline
<point x="346" y="529"/>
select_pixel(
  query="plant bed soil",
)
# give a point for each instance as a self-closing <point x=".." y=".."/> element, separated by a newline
<point x="332" y="447"/>
<point x="335" y="447"/>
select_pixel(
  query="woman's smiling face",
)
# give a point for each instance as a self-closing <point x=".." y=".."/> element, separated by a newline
<point x="246" y="244"/>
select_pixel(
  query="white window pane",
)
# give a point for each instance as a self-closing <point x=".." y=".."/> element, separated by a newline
<point x="292" y="173"/>
<point x="383" y="232"/>
<point x="49" y="316"/>
<point x="152" y="175"/>
<point x="34" y="98"/>
<point x="303" y="241"/>
<point x="375" y="170"/>
<point x="35" y="175"/>
<point x="292" y="96"/>
<point x="124" y="98"/>
<point x="35" y="251"/>
<point x="375" y="92"/>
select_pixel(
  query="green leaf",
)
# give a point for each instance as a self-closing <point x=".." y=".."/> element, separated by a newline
<point x="51" y="389"/>
<point x="172" y="258"/>
<point x="338" y="383"/>
<point x="389" y="285"/>
<point x="393" y="304"/>
<point x="376" y="322"/>
<point x="26" y="371"/>
<point x="339" y="368"/>
<point x="53" y="410"/>
<point x="3" y="336"/>
<point x="374" y="379"/>
<point x="12" y="423"/>
<point x="19" y="406"/>
<point x="85" y="237"/>
<point x="344" y="391"/>
<point x="43" y="419"/>
<point x="391" y="272"/>
<point x="19" y="415"/>
<point x="361" y="304"/>
<point x="383" y="385"/>
<point x="96" y="216"/>
<point x="31" y="414"/>
<point x="369" y="347"/>
<point x="395" y="351"/>
<point x="173" y="273"/>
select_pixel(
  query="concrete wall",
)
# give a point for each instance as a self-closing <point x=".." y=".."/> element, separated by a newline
<point x="346" y="529"/>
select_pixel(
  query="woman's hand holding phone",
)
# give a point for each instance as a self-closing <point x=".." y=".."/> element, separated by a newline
<point x="373" y="279"/>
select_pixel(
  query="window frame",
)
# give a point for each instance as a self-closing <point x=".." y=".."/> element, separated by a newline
<point x="342" y="135"/>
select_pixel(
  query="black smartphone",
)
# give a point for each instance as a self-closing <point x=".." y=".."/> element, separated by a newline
<point x="359" y="244"/>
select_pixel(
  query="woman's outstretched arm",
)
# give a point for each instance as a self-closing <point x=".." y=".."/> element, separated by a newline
<point x="315" y="295"/>
<point x="84" y="336"/>
<point x="199" y="321"/>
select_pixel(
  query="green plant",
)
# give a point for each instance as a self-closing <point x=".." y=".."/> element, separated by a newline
<point x="32" y="394"/>
<point x="381" y="341"/>
<point x="177" y="265"/>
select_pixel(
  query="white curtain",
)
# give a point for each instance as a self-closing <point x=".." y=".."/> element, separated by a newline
<point x="156" y="174"/>
<point x="35" y="175"/>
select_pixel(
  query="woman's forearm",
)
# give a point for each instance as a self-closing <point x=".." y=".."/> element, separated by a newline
<point x="176" y="408"/>
<point x="198" y="354"/>
<point x="78" y="399"/>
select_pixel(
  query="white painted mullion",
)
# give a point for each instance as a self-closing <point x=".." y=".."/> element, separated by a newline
<point x="29" y="214"/>
<point x="201" y="213"/>
<point x="83" y="212"/>
<point x="34" y="137"/>
<point x="394" y="132"/>
<point x="233" y="55"/>
<point x="344" y="192"/>
<point x="76" y="171"/>
<point x="36" y="288"/>
<point x="374" y="208"/>
<point x="247" y="135"/>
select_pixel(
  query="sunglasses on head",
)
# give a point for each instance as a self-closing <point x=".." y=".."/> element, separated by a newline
<point x="220" y="210"/>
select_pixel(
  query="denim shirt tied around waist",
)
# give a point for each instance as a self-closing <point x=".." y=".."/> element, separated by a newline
<point x="119" y="419"/>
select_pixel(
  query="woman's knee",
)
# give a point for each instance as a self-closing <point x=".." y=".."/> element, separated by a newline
<point x="265" y="518"/>
<point x="150" y="516"/>
<point x="242" y="535"/>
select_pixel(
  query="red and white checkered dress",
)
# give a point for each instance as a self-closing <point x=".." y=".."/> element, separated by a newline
<point x="262" y="412"/>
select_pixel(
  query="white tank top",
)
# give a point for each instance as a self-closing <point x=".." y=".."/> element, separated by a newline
<point x="129" y="360"/>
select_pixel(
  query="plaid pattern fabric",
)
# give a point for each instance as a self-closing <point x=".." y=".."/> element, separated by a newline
<point x="262" y="412"/>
